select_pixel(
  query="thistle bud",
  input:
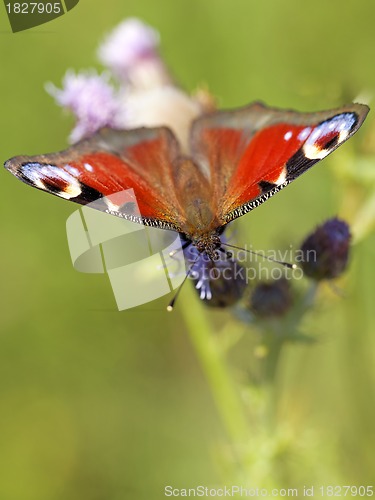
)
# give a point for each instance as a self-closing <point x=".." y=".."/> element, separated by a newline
<point x="326" y="250"/>
<point x="219" y="283"/>
<point x="271" y="299"/>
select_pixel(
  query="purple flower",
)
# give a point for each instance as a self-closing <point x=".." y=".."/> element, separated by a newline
<point x="326" y="250"/>
<point x="130" y="43"/>
<point x="219" y="283"/>
<point x="92" y="100"/>
<point x="146" y="95"/>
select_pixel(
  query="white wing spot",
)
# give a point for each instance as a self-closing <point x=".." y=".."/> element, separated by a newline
<point x="343" y="135"/>
<point x="303" y="135"/>
<point x="38" y="183"/>
<point x="72" y="170"/>
<point x="71" y="191"/>
<point x="112" y="206"/>
<point x="314" y="152"/>
<point x="288" y="135"/>
<point x="282" y="177"/>
<point x="88" y="167"/>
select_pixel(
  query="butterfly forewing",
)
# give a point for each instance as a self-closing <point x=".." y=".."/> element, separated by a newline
<point x="112" y="161"/>
<point x="253" y="152"/>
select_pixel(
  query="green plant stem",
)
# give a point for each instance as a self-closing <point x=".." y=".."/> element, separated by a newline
<point x="214" y="366"/>
<point x="271" y="362"/>
<point x="275" y="338"/>
<point x="364" y="220"/>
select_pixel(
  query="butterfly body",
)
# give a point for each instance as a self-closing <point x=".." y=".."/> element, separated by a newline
<point x="237" y="160"/>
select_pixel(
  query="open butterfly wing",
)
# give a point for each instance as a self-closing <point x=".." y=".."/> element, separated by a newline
<point x="253" y="152"/>
<point x="109" y="162"/>
<point x="249" y="154"/>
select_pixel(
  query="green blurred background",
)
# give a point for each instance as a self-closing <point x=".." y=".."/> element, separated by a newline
<point x="98" y="404"/>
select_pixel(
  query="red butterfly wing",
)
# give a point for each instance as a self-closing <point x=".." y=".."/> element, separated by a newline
<point x="249" y="154"/>
<point x="253" y="152"/>
<point x="109" y="162"/>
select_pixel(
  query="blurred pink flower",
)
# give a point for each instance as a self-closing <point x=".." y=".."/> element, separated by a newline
<point x="131" y="43"/>
<point x="91" y="98"/>
<point x="146" y="94"/>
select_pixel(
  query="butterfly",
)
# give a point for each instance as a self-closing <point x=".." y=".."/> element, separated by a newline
<point x="237" y="160"/>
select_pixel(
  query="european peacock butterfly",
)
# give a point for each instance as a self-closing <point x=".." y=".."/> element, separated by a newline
<point x="237" y="160"/>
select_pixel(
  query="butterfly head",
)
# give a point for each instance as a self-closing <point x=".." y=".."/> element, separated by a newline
<point x="209" y="244"/>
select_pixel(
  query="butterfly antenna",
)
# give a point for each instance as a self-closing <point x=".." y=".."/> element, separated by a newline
<point x="281" y="262"/>
<point x="228" y="254"/>
<point x="173" y="301"/>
